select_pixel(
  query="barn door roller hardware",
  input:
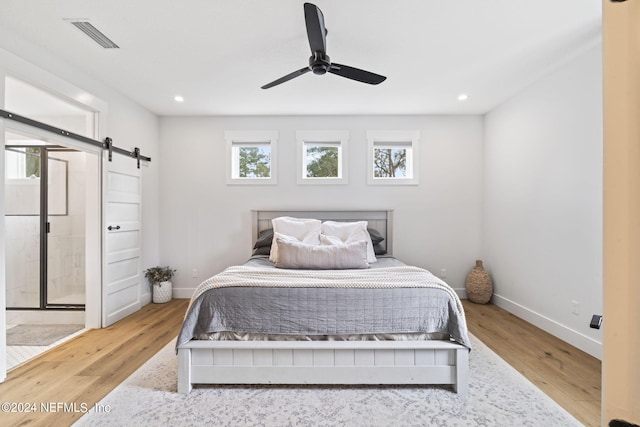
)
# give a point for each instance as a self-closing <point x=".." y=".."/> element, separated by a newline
<point x="106" y="145"/>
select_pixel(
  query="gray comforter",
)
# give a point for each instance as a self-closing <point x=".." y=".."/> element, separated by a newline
<point x="320" y="311"/>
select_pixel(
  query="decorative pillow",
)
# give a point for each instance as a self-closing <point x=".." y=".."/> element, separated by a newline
<point x="349" y="232"/>
<point x="265" y="238"/>
<point x="330" y="240"/>
<point x="378" y="249"/>
<point x="265" y="250"/>
<point x="293" y="254"/>
<point x="300" y="229"/>
<point x="376" y="237"/>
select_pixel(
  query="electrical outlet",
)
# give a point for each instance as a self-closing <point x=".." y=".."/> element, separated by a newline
<point x="194" y="272"/>
<point x="575" y="307"/>
<point x="443" y="272"/>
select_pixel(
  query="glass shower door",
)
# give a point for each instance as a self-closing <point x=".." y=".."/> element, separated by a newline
<point x="65" y="284"/>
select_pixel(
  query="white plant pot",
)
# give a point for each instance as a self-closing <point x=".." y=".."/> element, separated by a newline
<point x="162" y="292"/>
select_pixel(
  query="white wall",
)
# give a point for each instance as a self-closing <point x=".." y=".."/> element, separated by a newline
<point x="543" y="201"/>
<point x="206" y="224"/>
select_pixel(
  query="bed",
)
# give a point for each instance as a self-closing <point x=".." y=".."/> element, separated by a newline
<point x="258" y="324"/>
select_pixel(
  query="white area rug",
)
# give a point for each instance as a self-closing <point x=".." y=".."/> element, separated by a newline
<point x="498" y="396"/>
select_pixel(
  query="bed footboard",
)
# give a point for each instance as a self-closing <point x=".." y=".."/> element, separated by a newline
<point x="323" y="362"/>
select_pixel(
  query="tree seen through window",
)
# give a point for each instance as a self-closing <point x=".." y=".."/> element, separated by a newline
<point x="389" y="162"/>
<point x="322" y="161"/>
<point x="32" y="162"/>
<point x="254" y="162"/>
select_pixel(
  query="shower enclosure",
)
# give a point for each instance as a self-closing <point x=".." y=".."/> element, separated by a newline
<point x="45" y="225"/>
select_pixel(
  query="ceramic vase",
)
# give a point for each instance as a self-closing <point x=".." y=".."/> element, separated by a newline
<point x="162" y="292"/>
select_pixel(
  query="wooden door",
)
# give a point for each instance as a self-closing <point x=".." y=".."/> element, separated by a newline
<point x="621" y="320"/>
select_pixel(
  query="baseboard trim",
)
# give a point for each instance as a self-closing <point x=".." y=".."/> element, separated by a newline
<point x="461" y="292"/>
<point x="183" y="292"/>
<point x="576" y="339"/>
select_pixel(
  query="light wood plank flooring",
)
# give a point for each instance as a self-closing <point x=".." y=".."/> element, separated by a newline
<point x="88" y="367"/>
<point x="569" y="376"/>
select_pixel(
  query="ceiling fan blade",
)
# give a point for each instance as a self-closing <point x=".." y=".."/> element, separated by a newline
<point x="316" y="32"/>
<point x="356" y="74"/>
<point x="287" y="77"/>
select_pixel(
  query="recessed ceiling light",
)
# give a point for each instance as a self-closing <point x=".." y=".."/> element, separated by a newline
<point x="463" y="97"/>
<point x="178" y="98"/>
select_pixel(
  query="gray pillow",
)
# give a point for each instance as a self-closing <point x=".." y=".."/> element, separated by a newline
<point x="376" y="237"/>
<point x="379" y="249"/>
<point x="264" y="250"/>
<point x="264" y="238"/>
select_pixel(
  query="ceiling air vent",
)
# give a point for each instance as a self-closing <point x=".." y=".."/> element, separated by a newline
<point x="95" y="34"/>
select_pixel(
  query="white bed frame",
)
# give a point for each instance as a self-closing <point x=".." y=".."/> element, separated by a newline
<point x="324" y="362"/>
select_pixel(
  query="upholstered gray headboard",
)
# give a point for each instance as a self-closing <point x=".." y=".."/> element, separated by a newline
<point x="381" y="220"/>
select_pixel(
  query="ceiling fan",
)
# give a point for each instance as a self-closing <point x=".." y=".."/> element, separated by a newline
<point x="319" y="61"/>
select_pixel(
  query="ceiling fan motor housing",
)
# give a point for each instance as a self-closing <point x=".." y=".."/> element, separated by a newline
<point x="319" y="63"/>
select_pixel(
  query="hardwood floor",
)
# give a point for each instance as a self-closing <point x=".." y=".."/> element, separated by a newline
<point x="85" y="369"/>
<point x="569" y="376"/>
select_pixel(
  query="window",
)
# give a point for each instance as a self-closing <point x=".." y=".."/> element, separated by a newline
<point x="251" y="160"/>
<point x="251" y="157"/>
<point x="322" y="157"/>
<point x="392" y="157"/>
<point x="62" y="112"/>
<point x="22" y="162"/>
<point x="392" y="160"/>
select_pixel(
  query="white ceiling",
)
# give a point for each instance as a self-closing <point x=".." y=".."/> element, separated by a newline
<point x="217" y="54"/>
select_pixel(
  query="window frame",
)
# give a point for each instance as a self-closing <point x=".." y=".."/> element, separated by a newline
<point x="238" y="138"/>
<point x="319" y="137"/>
<point x="401" y="139"/>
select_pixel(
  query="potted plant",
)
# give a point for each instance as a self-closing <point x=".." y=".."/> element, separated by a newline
<point x="160" y="280"/>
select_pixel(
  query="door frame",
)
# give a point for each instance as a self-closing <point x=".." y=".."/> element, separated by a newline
<point x="16" y="66"/>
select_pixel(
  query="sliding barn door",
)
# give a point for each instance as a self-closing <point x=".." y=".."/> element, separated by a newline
<point x="122" y="241"/>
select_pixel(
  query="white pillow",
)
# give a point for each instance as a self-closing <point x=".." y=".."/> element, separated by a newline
<point x="292" y="254"/>
<point x="349" y="232"/>
<point x="301" y="229"/>
<point x="312" y="238"/>
<point x="330" y="240"/>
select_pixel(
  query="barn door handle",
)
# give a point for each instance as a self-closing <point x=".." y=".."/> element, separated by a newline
<point x="117" y="227"/>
